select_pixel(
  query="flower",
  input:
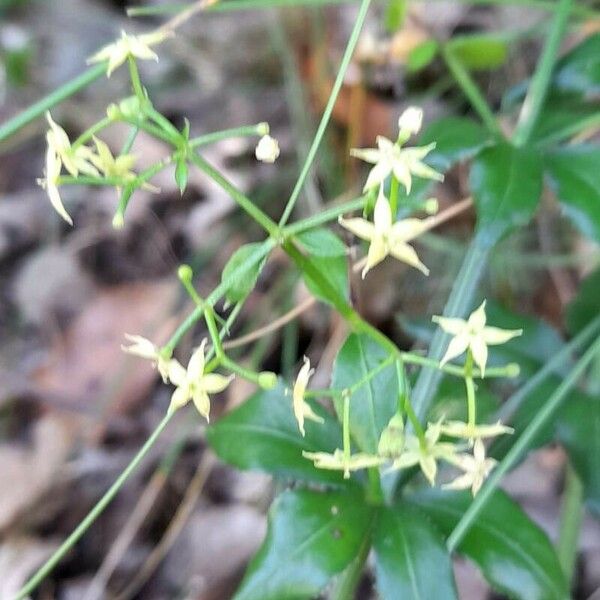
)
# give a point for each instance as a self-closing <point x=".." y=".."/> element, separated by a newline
<point x="267" y="149"/>
<point x="339" y="461"/>
<point x="129" y="45"/>
<point x="391" y="441"/>
<point x="387" y="237"/>
<point x="425" y="455"/>
<point x="474" y="335"/>
<point x="410" y="121"/>
<point x="50" y="184"/>
<point x="458" y="429"/>
<point x="144" y="348"/>
<point x="392" y="158"/>
<point x="476" y="468"/>
<point x="193" y="384"/>
<point x="303" y="410"/>
<point x="119" y="168"/>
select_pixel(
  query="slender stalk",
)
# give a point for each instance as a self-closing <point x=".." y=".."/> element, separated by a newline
<point x="520" y="446"/>
<point x="358" y="24"/>
<point x="136" y="82"/>
<point x="99" y="507"/>
<point x="225" y="134"/>
<point x="93" y="130"/>
<point x="536" y="94"/>
<point x="571" y="515"/>
<point x="470" y="89"/>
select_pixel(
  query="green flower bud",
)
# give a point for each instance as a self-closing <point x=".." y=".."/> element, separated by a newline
<point x="267" y="380"/>
<point x="185" y="273"/>
<point x="391" y="442"/>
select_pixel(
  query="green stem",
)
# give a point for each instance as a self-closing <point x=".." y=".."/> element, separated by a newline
<point x="394" y="188"/>
<point x="536" y="95"/>
<point x="519" y="448"/>
<point x="136" y="82"/>
<point x="470" y="89"/>
<point x="362" y="13"/>
<point x="243" y="201"/>
<point x="93" y="130"/>
<point x="346" y="432"/>
<point x="571" y="515"/>
<point x="470" y="387"/>
<point x="41" y="106"/>
<point x="49" y="565"/>
<point x="225" y="134"/>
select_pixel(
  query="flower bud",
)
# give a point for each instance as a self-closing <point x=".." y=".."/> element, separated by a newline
<point x="391" y="442"/>
<point x="267" y="149"/>
<point x="267" y="380"/>
<point x="431" y="206"/>
<point x="263" y="128"/>
<point x="185" y="273"/>
<point x="410" y="121"/>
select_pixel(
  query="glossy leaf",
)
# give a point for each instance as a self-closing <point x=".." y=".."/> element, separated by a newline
<point x="242" y="285"/>
<point x="578" y="71"/>
<point x="506" y="183"/>
<point x="586" y="305"/>
<point x="311" y="537"/>
<point x="411" y="560"/>
<point x="262" y="434"/>
<point x="513" y="553"/>
<point x="479" y="52"/>
<point x="374" y="403"/>
<point x="574" y="174"/>
<point x="321" y="242"/>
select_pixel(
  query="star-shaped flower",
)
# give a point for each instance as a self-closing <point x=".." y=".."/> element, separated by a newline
<point x="458" y="429"/>
<point x="193" y="384"/>
<point x="338" y="461"/>
<point x="473" y="334"/>
<point x="476" y="468"/>
<point x="50" y="183"/>
<point x="303" y="410"/>
<point x="387" y="237"/>
<point x="425" y="456"/>
<point x="129" y="45"/>
<point x="144" y="348"/>
<point x="119" y="167"/>
<point x="389" y="157"/>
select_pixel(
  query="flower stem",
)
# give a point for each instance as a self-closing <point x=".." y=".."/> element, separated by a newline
<point x="136" y="82"/>
<point x="470" y="386"/>
<point x="225" y="134"/>
<point x="93" y="130"/>
<point x="571" y="515"/>
<point x="49" y="565"/>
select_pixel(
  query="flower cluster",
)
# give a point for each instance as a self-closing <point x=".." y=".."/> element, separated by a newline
<point x="191" y="383"/>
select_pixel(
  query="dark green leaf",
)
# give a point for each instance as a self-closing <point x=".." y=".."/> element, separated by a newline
<point x="560" y="118"/>
<point x="332" y="284"/>
<point x="262" y="434"/>
<point x="513" y="553"/>
<point x="311" y="537"/>
<point x="579" y="70"/>
<point x="479" y="52"/>
<point x="373" y="404"/>
<point x="321" y="242"/>
<point x="456" y="138"/>
<point x="575" y="178"/>
<point x="506" y="183"/>
<point x="243" y="284"/>
<point x="411" y="560"/>
<point x="422" y="55"/>
<point x="586" y="305"/>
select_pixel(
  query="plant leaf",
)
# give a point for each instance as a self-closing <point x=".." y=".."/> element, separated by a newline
<point x="243" y="284"/>
<point x="574" y="174"/>
<point x="513" y="553"/>
<point x="311" y="537"/>
<point x="506" y="183"/>
<point x="373" y="404"/>
<point x="422" y="55"/>
<point x="586" y="305"/>
<point x="321" y="242"/>
<point x="479" y="51"/>
<point x="262" y="434"/>
<point x="407" y="549"/>
<point x="578" y="71"/>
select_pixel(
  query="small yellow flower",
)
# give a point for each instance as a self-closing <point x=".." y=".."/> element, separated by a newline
<point x="387" y="237"/>
<point x="119" y="168"/>
<point x="474" y="335"/>
<point x="144" y="348"/>
<point x="458" y="429"/>
<point x="303" y="410"/>
<point x="50" y="183"/>
<point x="338" y="461"/>
<point x="425" y="456"/>
<point x="137" y="46"/>
<point x="267" y="149"/>
<point x="193" y="384"/>
<point x="476" y="468"/>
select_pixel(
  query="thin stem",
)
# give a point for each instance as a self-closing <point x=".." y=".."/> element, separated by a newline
<point x="225" y="134"/>
<point x="520" y="446"/>
<point x="362" y="13"/>
<point x="99" y="507"/>
<point x="470" y="387"/>
<point x="536" y="95"/>
<point x="346" y="432"/>
<point x="471" y="90"/>
<point x="136" y="82"/>
<point x="93" y="130"/>
<point x="571" y="515"/>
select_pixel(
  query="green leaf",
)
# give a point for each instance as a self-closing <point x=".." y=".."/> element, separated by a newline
<point x="243" y="284"/>
<point x="586" y="305"/>
<point x="506" y="183"/>
<point x="321" y="242"/>
<point x="578" y="71"/>
<point x="422" y="55"/>
<point x="373" y="404"/>
<point x="457" y="139"/>
<point x="411" y="560"/>
<point x="181" y="175"/>
<point x="263" y="434"/>
<point x="311" y="537"/>
<point x="574" y="174"/>
<point x="560" y="118"/>
<point x="578" y="429"/>
<point x="331" y="285"/>
<point x="513" y="553"/>
<point x="479" y="52"/>
<point x="395" y="14"/>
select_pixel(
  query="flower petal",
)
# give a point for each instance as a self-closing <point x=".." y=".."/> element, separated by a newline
<point x="408" y="229"/>
<point x="480" y="352"/>
<point x="378" y="174"/>
<point x="458" y="344"/>
<point x="213" y="383"/>
<point x="177" y="374"/>
<point x="382" y="215"/>
<point x="370" y="155"/>
<point x="359" y="227"/>
<point x="179" y="398"/>
<point x="407" y="254"/>
<point x="202" y="403"/>
<point x="377" y="252"/>
<point x="195" y="368"/>
<point x="495" y="335"/>
<point x="450" y="324"/>
<point x="477" y="318"/>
